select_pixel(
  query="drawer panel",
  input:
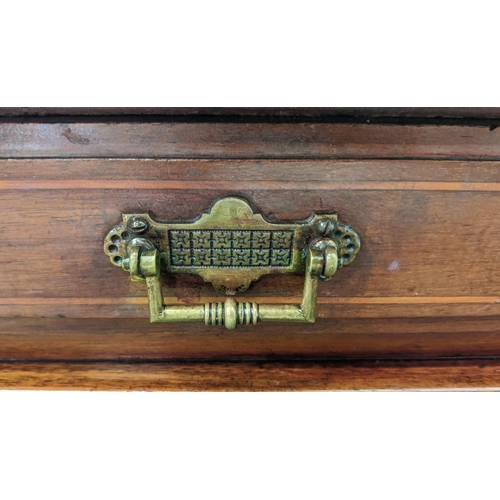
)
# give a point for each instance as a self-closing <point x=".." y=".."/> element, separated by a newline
<point x="425" y="283"/>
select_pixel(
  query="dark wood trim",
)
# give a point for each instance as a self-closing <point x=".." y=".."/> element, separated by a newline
<point x="269" y="112"/>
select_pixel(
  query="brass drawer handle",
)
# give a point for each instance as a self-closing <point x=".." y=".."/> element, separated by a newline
<point x="231" y="246"/>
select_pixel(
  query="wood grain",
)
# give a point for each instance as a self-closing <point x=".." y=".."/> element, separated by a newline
<point x="248" y="140"/>
<point x="254" y="376"/>
<point x="418" y="244"/>
<point x="353" y="338"/>
<point x="109" y="173"/>
<point x="423" y="285"/>
<point x="425" y="199"/>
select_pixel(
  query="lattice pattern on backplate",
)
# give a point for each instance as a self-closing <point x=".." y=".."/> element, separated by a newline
<point x="214" y="248"/>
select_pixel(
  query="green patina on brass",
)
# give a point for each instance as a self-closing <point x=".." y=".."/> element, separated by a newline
<point x="231" y="246"/>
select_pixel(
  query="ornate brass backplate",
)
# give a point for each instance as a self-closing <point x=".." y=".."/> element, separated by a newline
<point x="230" y="246"/>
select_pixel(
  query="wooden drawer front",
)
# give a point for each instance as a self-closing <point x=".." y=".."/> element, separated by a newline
<point x="425" y="200"/>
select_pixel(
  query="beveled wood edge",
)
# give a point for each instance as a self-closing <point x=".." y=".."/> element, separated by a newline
<point x="424" y="375"/>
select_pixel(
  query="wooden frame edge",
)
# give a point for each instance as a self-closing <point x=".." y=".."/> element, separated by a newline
<point x="252" y="112"/>
<point x="252" y="376"/>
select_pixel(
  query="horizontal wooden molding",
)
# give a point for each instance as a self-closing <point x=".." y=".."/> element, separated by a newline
<point x="247" y="140"/>
<point x="254" y="376"/>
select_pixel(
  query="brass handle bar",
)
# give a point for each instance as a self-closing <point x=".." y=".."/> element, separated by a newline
<point x="322" y="260"/>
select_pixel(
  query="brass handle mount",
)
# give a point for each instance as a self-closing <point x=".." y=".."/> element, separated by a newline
<point x="231" y="246"/>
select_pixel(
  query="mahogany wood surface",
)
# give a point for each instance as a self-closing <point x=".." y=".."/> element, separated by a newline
<point x="424" y="198"/>
<point x="254" y="376"/>
<point x="247" y="140"/>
